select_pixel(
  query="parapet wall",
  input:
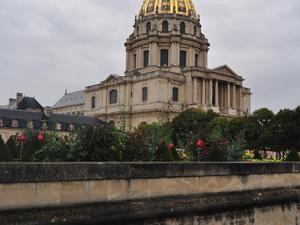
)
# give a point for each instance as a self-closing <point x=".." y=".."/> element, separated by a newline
<point x="107" y="193"/>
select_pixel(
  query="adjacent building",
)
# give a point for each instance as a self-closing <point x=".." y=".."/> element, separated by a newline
<point x="166" y="72"/>
<point x="70" y="104"/>
<point x="27" y="113"/>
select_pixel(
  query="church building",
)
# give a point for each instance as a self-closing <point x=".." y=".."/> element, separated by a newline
<point x="166" y="72"/>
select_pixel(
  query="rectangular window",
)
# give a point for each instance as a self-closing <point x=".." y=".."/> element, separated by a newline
<point x="146" y="58"/>
<point x="196" y="59"/>
<point x="145" y="94"/>
<point x="93" y="102"/>
<point x="175" y="94"/>
<point x="182" y="58"/>
<point x="164" y="57"/>
<point x="134" y="61"/>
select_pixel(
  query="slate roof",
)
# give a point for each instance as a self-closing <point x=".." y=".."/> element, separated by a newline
<point x="29" y="103"/>
<point x="7" y="115"/>
<point x="70" y="99"/>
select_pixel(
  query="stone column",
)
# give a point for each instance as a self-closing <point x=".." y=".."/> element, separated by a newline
<point x="233" y="96"/>
<point x="217" y="93"/>
<point x="228" y="105"/>
<point x="139" y="58"/>
<point x="153" y="54"/>
<point x="190" y="57"/>
<point x="203" y="92"/>
<point x="173" y="54"/>
<point x="195" y="90"/>
<point x="210" y="91"/>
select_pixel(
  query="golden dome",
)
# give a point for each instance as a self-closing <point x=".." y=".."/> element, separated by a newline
<point x="181" y="7"/>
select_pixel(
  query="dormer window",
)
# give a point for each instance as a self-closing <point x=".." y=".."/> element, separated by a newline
<point x="14" y="123"/>
<point x="30" y="124"/>
<point x="44" y="125"/>
<point x="71" y="127"/>
<point x="58" y="126"/>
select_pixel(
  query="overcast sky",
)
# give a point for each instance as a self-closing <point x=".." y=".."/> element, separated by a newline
<point x="47" y="46"/>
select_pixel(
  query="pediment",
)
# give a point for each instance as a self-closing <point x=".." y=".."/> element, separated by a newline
<point x="225" y="70"/>
<point x="112" y="79"/>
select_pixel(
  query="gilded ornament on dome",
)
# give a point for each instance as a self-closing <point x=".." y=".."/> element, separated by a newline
<point x="151" y="6"/>
<point x="181" y="6"/>
<point x="166" y="6"/>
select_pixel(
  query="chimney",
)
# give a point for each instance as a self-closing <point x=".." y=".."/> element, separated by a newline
<point x="66" y="92"/>
<point x="11" y="102"/>
<point x="19" y="97"/>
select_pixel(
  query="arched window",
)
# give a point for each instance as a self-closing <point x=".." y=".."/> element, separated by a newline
<point x="148" y="27"/>
<point x="137" y="30"/>
<point x="145" y="94"/>
<point x="182" y="59"/>
<point x="165" y="26"/>
<point x="195" y="30"/>
<point x="164" y="57"/>
<point x="113" y="97"/>
<point x="182" y="27"/>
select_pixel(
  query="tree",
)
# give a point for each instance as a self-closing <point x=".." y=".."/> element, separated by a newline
<point x="13" y="147"/>
<point x="190" y="125"/>
<point x="293" y="156"/>
<point x="4" y="152"/>
<point x="285" y="130"/>
<point x="258" y="133"/>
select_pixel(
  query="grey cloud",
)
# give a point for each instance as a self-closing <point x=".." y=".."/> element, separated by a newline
<point x="48" y="46"/>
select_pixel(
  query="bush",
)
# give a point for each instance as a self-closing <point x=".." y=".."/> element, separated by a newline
<point x="98" y="143"/>
<point x="163" y="153"/>
<point x="30" y="146"/>
<point x="236" y="149"/>
<point x="293" y="156"/>
<point x="217" y="146"/>
<point x="55" y="149"/>
<point x="4" y="152"/>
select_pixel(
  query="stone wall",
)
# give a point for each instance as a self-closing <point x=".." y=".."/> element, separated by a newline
<point x="149" y="193"/>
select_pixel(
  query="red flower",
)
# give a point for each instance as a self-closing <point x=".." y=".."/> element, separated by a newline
<point x="40" y="137"/>
<point x="21" y="137"/>
<point x="162" y="142"/>
<point x="171" y="147"/>
<point x="200" y="144"/>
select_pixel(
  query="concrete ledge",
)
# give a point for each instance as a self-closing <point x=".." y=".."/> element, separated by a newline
<point x="133" y="211"/>
<point x="59" y="172"/>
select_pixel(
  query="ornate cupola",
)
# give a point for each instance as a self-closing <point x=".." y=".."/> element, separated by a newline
<point x="167" y="36"/>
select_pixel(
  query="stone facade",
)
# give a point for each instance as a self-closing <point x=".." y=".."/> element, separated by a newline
<point x="150" y="193"/>
<point x="166" y="72"/>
